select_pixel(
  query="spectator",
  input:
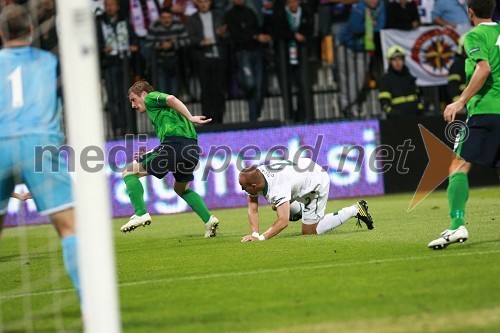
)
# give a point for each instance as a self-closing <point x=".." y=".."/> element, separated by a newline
<point x="165" y="37"/>
<point x="451" y="13"/>
<point x="206" y="30"/>
<point x="456" y="74"/>
<point x="221" y="5"/>
<point x="46" y="32"/>
<point x="403" y="15"/>
<point x="116" y="41"/>
<point x="398" y="93"/>
<point x="182" y="9"/>
<point x="359" y="38"/>
<point x="245" y="36"/>
<point x="340" y="11"/>
<point x="332" y="14"/>
<point x="142" y="14"/>
<point x="496" y="13"/>
<point x="267" y="15"/>
<point x="293" y="28"/>
<point x="425" y="8"/>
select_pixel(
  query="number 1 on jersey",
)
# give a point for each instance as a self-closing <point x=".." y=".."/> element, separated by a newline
<point x="16" y="83"/>
<point x="498" y="42"/>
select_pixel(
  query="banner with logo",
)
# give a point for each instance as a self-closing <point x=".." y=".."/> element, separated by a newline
<point x="345" y="150"/>
<point x="429" y="52"/>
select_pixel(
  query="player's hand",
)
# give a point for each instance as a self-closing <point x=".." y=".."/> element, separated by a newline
<point x="200" y="120"/>
<point x="249" y="238"/>
<point x="452" y="109"/>
<point x="139" y="153"/>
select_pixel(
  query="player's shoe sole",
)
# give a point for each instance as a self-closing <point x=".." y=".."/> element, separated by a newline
<point x="136" y="221"/>
<point x="364" y="214"/>
<point x="448" y="237"/>
<point x="211" y="227"/>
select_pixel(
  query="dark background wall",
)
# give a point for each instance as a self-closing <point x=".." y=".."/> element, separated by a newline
<point x="395" y="132"/>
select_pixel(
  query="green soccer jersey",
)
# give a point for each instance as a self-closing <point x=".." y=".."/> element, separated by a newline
<point x="167" y="121"/>
<point x="483" y="43"/>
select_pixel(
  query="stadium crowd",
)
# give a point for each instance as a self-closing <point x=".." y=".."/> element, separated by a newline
<point x="213" y="51"/>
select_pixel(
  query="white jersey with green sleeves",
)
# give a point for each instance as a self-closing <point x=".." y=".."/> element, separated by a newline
<point x="293" y="181"/>
<point x="482" y="43"/>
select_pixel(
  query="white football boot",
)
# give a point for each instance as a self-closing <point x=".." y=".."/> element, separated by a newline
<point x="211" y="227"/>
<point x="136" y="221"/>
<point x="448" y="237"/>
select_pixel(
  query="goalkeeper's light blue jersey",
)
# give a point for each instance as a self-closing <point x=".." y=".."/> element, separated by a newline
<point x="28" y="97"/>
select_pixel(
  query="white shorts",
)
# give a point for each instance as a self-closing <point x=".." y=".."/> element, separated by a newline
<point x="315" y="202"/>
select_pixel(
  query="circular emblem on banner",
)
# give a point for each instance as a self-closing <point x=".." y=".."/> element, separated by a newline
<point x="433" y="51"/>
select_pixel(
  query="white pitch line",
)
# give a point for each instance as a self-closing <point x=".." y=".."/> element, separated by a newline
<point x="258" y="271"/>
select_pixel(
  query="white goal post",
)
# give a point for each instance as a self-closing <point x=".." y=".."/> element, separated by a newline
<point x="83" y="110"/>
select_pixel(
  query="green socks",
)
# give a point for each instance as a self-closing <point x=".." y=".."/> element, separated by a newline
<point x="194" y="200"/>
<point x="458" y="193"/>
<point x="136" y="194"/>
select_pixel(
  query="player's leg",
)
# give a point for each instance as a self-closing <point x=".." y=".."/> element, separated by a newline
<point x="187" y="156"/>
<point x="315" y="212"/>
<point x="7" y="183"/>
<point x="480" y="146"/>
<point x="51" y="190"/>
<point x="195" y="201"/>
<point x="458" y="194"/>
<point x="333" y="220"/>
<point x="64" y="222"/>
<point x="135" y="191"/>
<point x="458" y="191"/>
<point x="315" y="205"/>
<point x="6" y="187"/>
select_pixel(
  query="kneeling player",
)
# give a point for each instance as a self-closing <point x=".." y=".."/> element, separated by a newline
<point x="285" y="182"/>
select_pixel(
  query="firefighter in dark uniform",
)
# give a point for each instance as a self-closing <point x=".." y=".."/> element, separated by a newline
<point x="398" y="92"/>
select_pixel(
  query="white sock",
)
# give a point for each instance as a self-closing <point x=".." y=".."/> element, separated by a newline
<point x="333" y="220"/>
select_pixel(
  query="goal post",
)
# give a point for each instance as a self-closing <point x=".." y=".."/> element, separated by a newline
<point x="83" y="109"/>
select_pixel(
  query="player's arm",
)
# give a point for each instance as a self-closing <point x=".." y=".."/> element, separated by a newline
<point x="281" y="222"/>
<point x="180" y="107"/>
<point x="253" y="214"/>
<point x="476" y="82"/>
<point x="253" y="219"/>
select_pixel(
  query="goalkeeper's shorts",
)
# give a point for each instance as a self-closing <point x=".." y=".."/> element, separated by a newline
<point x="44" y="171"/>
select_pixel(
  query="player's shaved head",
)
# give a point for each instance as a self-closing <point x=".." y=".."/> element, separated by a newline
<point x="15" y="22"/>
<point x="251" y="180"/>
<point x="249" y="175"/>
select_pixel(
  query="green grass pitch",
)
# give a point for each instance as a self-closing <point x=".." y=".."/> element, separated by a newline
<point x="171" y="279"/>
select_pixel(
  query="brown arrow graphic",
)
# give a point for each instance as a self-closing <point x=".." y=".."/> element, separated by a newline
<point x="437" y="170"/>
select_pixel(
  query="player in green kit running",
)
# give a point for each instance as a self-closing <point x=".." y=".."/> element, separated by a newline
<point x="177" y="153"/>
<point x="481" y="97"/>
